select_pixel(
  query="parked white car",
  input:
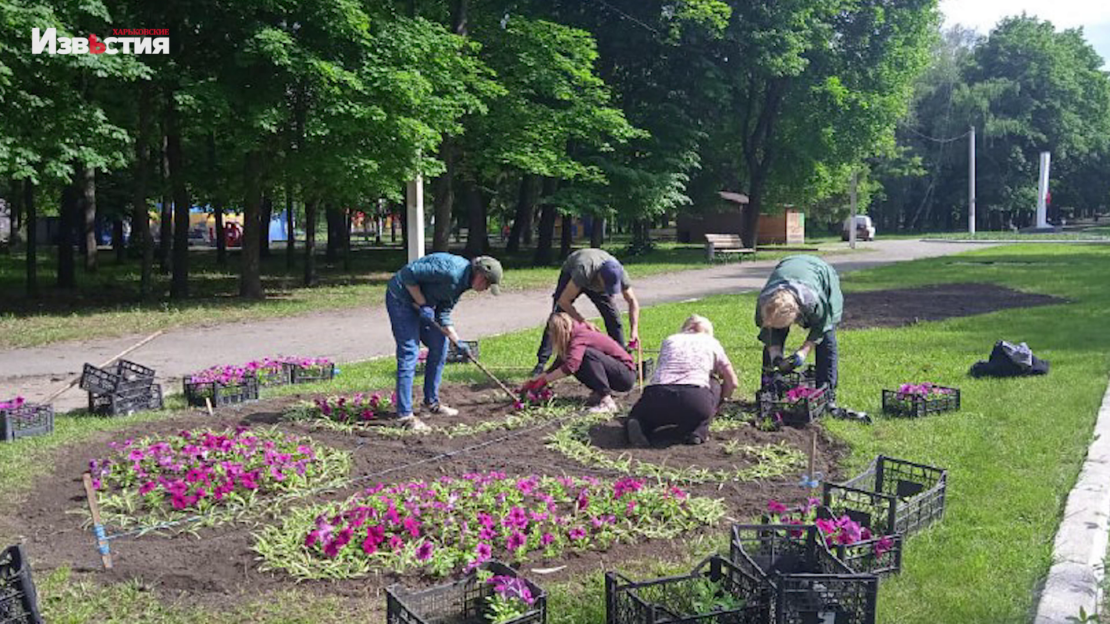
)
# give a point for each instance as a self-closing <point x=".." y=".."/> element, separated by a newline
<point x="865" y="230"/>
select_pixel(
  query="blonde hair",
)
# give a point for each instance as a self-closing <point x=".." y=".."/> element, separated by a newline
<point x="559" y="328"/>
<point x="780" y="310"/>
<point x="697" y="324"/>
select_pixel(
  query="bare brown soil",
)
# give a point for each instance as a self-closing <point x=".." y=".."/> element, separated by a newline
<point x="217" y="567"/>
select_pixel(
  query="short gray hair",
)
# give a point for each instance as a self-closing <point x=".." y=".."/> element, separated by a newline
<point x="697" y="324"/>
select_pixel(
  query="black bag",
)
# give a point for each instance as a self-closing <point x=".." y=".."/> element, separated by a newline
<point x="1010" y="360"/>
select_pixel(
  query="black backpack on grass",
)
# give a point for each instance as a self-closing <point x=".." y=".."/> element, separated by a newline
<point x="1010" y="360"/>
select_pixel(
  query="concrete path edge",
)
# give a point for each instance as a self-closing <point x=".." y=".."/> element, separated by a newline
<point x="1075" y="579"/>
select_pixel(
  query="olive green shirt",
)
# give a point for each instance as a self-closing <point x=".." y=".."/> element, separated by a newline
<point x="583" y="266"/>
<point x="817" y="287"/>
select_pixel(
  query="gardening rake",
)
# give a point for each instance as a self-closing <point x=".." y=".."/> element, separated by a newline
<point x="482" y="368"/>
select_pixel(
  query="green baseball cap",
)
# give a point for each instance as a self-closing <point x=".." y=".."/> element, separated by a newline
<point x="490" y="269"/>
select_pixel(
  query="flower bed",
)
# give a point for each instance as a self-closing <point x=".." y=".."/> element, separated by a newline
<point x="918" y="400"/>
<point x="573" y="441"/>
<point x="151" y="480"/>
<point x="800" y="406"/>
<point x="716" y="591"/>
<point x="491" y="594"/>
<point x="805" y="581"/>
<point x="891" y="496"/>
<point x="460" y="523"/>
<point x="20" y="419"/>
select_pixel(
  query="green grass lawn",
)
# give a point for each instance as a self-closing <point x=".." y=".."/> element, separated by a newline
<point x="107" y="303"/>
<point x="1013" y="451"/>
<point x="1010" y="236"/>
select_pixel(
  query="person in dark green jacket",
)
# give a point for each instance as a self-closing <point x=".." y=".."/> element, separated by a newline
<point x="423" y="293"/>
<point x="802" y="290"/>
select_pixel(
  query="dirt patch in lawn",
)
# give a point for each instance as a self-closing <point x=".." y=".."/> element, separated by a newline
<point x="216" y="567"/>
<point x="905" y="306"/>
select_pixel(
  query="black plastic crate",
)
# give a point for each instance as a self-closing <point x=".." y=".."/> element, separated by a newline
<point x="98" y="380"/>
<point x="805" y="581"/>
<point x="299" y="374"/>
<point x="890" y="496"/>
<point x="454" y="356"/>
<point x="648" y="367"/>
<point x="677" y="599"/>
<point x="800" y="414"/>
<point x="221" y="394"/>
<point x="461" y="602"/>
<point x="18" y="601"/>
<point x="130" y="371"/>
<point x="779" y="383"/>
<point x="862" y="557"/>
<point x="917" y="406"/>
<point x="128" y="399"/>
<point x="29" y="419"/>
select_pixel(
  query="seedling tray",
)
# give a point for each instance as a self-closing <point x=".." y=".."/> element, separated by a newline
<point x="29" y="419"/>
<point x="891" y="496"/>
<point x="461" y="602"/>
<point x="916" y="406"/>
<point x="309" y="374"/>
<point x="798" y="414"/>
<point x="129" y="398"/>
<point x="221" y="395"/>
<point x="739" y="597"/>
<point x="18" y="601"/>
<point x="806" y="582"/>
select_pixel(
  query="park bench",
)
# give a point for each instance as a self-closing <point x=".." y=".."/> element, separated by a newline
<point x="727" y="245"/>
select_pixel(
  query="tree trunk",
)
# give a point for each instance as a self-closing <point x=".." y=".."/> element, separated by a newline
<point x="348" y="215"/>
<point x="250" y="277"/>
<point x="444" y="189"/>
<point x="88" y="188"/>
<point x="165" y="227"/>
<point x="219" y="231"/>
<point x="750" y="232"/>
<point x="542" y="257"/>
<point x="140" y="214"/>
<point x="522" y="219"/>
<point x="567" y="239"/>
<point x="597" y="234"/>
<point x="179" y="285"/>
<point x="15" y="204"/>
<point x="477" y="237"/>
<point x="32" y="238"/>
<point x="265" y="218"/>
<point x="310" y="242"/>
<point x="331" y="215"/>
<point x="117" y="241"/>
<point x="67" y="229"/>
<point x="290" y="232"/>
<point x="217" y="203"/>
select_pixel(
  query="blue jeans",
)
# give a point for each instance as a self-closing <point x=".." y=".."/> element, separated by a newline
<point x="409" y="331"/>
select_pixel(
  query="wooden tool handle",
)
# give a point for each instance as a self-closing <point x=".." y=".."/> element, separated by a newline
<point x="98" y="528"/>
<point x="109" y="361"/>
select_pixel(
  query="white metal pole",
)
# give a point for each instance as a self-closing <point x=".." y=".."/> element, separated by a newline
<point x="971" y="183"/>
<point x="852" y="220"/>
<point x="415" y="218"/>
<point x="1042" y="191"/>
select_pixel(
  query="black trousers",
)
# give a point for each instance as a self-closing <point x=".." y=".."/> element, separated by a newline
<point x="604" y="374"/>
<point x="828" y="357"/>
<point x="605" y="305"/>
<point x="689" y="409"/>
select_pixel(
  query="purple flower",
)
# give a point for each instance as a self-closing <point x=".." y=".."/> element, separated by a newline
<point x="516" y="540"/>
<point x="776" y="507"/>
<point x="424" y="551"/>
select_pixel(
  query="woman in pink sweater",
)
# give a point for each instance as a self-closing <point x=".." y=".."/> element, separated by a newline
<point x="591" y="357"/>
<point x="693" y="376"/>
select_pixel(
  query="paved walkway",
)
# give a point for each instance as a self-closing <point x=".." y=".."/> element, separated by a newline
<point x="360" y="334"/>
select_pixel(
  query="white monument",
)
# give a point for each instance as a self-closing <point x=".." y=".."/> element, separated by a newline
<point x="415" y="217"/>
<point x="1042" y="192"/>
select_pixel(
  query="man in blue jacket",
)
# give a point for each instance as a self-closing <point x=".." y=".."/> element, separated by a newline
<point x="421" y="294"/>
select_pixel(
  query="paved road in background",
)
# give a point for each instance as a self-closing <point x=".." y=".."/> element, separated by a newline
<point x="363" y="333"/>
